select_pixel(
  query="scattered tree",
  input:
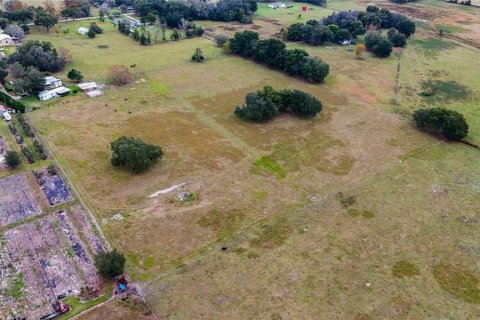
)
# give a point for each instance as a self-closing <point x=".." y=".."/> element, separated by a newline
<point x="91" y="32"/>
<point x="46" y="20"/>
<point x="359" y="49"/>
<point x="175" y="36"/>
<point x="110" y="264"/>
<point x="12" y="159"/>
<point x="198" y="55"/>
<point x="450" y="123"/>
<point x="134" y="154"/>
<point x="120" y="75"/>
<point x="75" y="75"/>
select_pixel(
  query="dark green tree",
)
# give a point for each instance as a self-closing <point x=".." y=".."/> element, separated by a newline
<point x="304" y="104"/>
<point x="75" y="75"/>
<point x="242" y="42"/>
<point x="110" y="264"/>
<point x="382" y="49"/>
<point x="46" y="20"/>
<point x="294" y="60"/>
<point x="407" y="27"/>
<point x="175" y="36"/>
<point x="134" y="154"/>
<point x="315" y="70"/>
<point x="91" y="32"/>
<point x="270" y="52"/>
<point x="256" y="108"/>
<point x="12" y="159"/>
<point x="450" y="123"/>
<point x="342" y="35"/>
<point x="396" y="38"/>
<point x="136" y="34"/>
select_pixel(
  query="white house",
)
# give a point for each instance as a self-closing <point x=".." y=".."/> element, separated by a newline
<point x="52" y="83"/>
<point x="82" y="30"/>
<point x="49" y="94"/>
<point x="5" y="40"/>
<point x="276" y="5"/>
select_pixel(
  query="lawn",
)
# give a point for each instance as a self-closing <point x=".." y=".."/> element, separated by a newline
<point x="325" y="216"/>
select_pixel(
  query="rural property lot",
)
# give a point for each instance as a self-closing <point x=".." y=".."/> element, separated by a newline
<point x="354" y="214"/>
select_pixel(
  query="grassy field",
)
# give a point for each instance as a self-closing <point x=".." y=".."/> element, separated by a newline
<point x="354" y="214"/>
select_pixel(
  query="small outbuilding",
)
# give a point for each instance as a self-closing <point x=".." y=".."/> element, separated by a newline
<point x="276" y="5"/>
<point x="6" y="40"/>
<point x="91" y="89"/>
<point x="82" y="30"/>
<point x="52" y="83"/>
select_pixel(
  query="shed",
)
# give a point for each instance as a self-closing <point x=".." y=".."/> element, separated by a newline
<point x="82" y="30"/>
<point x="88" y="86"/>
<point x="276" y="5"/>
<point x="7" y="116"/>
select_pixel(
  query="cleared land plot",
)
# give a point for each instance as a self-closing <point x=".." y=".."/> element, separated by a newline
<point x="18" y="200"/>
<point x="47" y="258"/>
<point x="53" y="187"/>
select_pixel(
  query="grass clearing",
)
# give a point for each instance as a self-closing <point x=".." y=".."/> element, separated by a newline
<point x="458" y="281"/>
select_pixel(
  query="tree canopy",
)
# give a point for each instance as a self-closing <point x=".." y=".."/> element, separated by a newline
<point x="12" y="159"/>
<point x="110" y="264"/>
<point x="265" y="104"/>
<point x="41" y="55"/>
<point x="134" y="154"/>
<point x="75" y="75"/>
<point x="450" y="123"/>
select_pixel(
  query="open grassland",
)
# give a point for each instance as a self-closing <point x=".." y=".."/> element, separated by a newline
<point x="352" y="214"/>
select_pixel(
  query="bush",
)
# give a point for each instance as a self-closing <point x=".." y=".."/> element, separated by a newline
<point x="396" y="38"/>
<point x="12" y="159"/>
<point x="315" y="70"/>
<point x="221" y="39"/>
<point x="378" y="44"/>
<point x="110" y="264"/>
<point x="304" y="104"/>
<point x="447" y="122"/>
<point x="407" y="27"/>
<point x="28" y="155"/>
<point x="198" y="56"/>
<point x="134" y="154"/>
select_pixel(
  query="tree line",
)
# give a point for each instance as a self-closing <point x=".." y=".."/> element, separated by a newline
<point x="273" y="53"/>
<point x="263" y="105"/>
<point x="173" y="11"/>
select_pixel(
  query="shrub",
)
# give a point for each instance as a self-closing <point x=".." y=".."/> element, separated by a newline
<point x="304" y="104"/>
<point x="198" y="55"/>
<point x="12" y="159"/>
<point x="396" y="38"/>
<point x="134" y="154"/>
<point x="315" y="70"/>
<point x="120" y="75"/>
<point x="448" y="122"/>
<point x="26" y="152"/>
<point x="407" y="27"/>
<point x="378" y="44"/>
<point x="221" y="39"/>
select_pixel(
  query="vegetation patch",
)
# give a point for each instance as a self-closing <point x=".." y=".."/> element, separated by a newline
<point x="158" y="87"/>
<point x="345" y="201"/>
<point x="15" y="290"/>
<point x="268" y="165"/>
<point x="440" y="90"/>
<point x="272" y="235"/>
<point x="224" y="224"/>
<point x="404" y="268"/>
<point x="432" y="44"/>
<point x="458" y="281"/>
<point x="450" y="29"/>
<point x="364" y="213"/>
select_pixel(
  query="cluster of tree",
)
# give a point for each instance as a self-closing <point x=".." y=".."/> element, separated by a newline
<point x="15" y="31"/>
<point x="12" y="159"/>
<point x="32" y="81"/>
<point x="142" y="36"/>
<point x="317" y="34"/>
<point x="75" y="75"/>
<point x="93" y="30"/>
<point x="110" y="263"/>
<point x="17" y="12"/>
<point x="41" y="151"/>
<point x="274" y="53"/>
<point x="134" y="154"/>
<point x="347" y="25"/>
<point x="322" y="3"/>
<point x="464" y="2"/>
<point x="12" y="103"/>
<point x="265" y="104"/>
<point x="450" y="123"/>
<point x="174" y="11"/>
<point x="75" y="9"/>
<point x="13" y="130"/>
<point x="41" y="55"/>
<point x="378" y="44"/>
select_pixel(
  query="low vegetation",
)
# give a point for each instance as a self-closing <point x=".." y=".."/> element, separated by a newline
<point x="404" y="268"/>
<point x="458" y="281"/>
<point x="12" y="159"/>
